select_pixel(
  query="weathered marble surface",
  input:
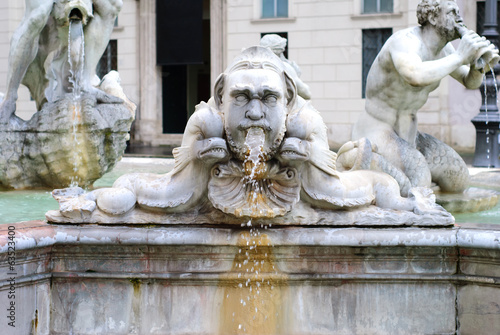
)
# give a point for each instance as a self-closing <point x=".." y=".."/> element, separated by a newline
<point x="125" y="280"/>
<point x="39" y="54"/>
<point x="302" y="214"/>
<point x="278" y="44"/>
<point x="471" y="200"/>
<point x="60" y="145"/>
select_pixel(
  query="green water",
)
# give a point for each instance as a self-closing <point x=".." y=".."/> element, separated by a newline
<point x="490" y="216"/>
<point x="17" y="206"/>
<point x="26" y="205"/>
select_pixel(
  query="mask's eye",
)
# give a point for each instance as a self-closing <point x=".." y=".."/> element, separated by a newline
<point x="241" y="98"/>
<point x="270" y="99"/>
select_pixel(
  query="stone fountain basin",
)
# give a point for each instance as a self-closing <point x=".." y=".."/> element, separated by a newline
<point x="173" y="280"/>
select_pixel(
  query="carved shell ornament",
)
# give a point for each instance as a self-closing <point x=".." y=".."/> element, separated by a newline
<point x="272" y="194"/>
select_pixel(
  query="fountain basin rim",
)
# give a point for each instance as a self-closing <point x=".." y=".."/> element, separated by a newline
<point x="38" y="234"/>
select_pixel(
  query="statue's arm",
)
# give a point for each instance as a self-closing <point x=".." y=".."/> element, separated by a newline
<point x="409" y="64"/>
<point x="407" y="58"/>
<point x="469" y="75"/>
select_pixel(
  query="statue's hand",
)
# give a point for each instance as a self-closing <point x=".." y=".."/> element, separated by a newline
<point x="470" y="45"/>
<point x="490" y="56"/>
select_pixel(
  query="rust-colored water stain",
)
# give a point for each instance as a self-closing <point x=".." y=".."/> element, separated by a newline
<point x="76" y="115"/>
<point x="257" y="170"/>
<point x="253" y="290"/>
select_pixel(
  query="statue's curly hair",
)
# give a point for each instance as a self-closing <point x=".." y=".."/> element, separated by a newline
<point x="426" y="8"/>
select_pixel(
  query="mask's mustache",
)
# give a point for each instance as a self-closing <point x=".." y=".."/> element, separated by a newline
<point x="246" y="124"/>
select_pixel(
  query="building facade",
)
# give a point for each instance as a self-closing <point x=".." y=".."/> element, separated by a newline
<point x="333" y="42"/>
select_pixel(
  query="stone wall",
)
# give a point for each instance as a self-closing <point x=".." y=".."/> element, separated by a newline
<point x="181" y="280"/>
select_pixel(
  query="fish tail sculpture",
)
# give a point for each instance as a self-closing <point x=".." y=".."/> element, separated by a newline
<point x="306" y="149"/>
<point x="363" y="155"/>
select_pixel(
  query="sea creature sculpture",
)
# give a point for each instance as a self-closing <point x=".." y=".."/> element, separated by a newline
<point x="306" y="149"/>
<point x="182" y="189"/>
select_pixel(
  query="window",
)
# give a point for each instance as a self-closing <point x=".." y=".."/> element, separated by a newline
<point x="377" y="6"/>
<point x="274" y="8"/>
<point x="109" y="59"/>
<point x="373" y="40"/>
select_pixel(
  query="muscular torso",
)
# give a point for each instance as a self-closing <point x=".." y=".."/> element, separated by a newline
<point x="390" y="98"/>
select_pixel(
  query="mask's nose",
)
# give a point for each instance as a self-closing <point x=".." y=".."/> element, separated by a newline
<point x="255" y="111"/>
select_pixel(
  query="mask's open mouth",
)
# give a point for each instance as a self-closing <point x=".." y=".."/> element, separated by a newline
<point x="76" y="14"/>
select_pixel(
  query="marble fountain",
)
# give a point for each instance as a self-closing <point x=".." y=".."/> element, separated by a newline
<point x="258" y="227"/>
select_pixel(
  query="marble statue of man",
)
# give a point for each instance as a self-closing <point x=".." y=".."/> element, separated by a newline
<point x="410" y="65"/>
<point x="37" y="38"/>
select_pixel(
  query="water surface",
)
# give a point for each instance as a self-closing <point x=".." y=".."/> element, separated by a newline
<point x="26" y="205"/>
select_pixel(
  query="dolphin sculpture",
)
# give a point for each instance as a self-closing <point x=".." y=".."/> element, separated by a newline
<point x="180" y="190"/>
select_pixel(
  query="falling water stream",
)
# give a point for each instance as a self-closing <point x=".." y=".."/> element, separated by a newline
<point x="486" y="110"/>
<point x="486" y="113"/>
<point x="253" y="299"/>
<point x="76" y="57"/>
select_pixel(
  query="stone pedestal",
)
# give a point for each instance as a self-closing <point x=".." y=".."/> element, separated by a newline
<point x="287" y="280"/>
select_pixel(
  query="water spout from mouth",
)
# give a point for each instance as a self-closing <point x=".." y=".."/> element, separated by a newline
<point x="255" y="159"/>
<point x="75" y="15"/>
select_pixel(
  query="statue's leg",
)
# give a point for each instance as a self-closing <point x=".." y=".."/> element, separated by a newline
<point x="448" y="169"/>
<point x="23" y="49"/>
<point x="98" y="32"/>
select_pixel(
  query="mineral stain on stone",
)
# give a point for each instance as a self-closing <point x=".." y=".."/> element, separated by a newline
<point x="253" y="291"/>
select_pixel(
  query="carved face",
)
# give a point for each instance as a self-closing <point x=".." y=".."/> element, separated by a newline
<point x="254" y="98"/>
<point x="447" y="19"/>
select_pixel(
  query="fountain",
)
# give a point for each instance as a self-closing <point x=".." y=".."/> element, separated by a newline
<point x="81" y="127"/>
<point x="254" y="231"/>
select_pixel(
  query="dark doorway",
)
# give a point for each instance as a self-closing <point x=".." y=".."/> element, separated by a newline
<point x="183" y="52"/>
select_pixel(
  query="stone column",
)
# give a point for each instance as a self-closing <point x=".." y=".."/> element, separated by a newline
<point x="148" y="124"/>
<point x="217" y="39"/>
